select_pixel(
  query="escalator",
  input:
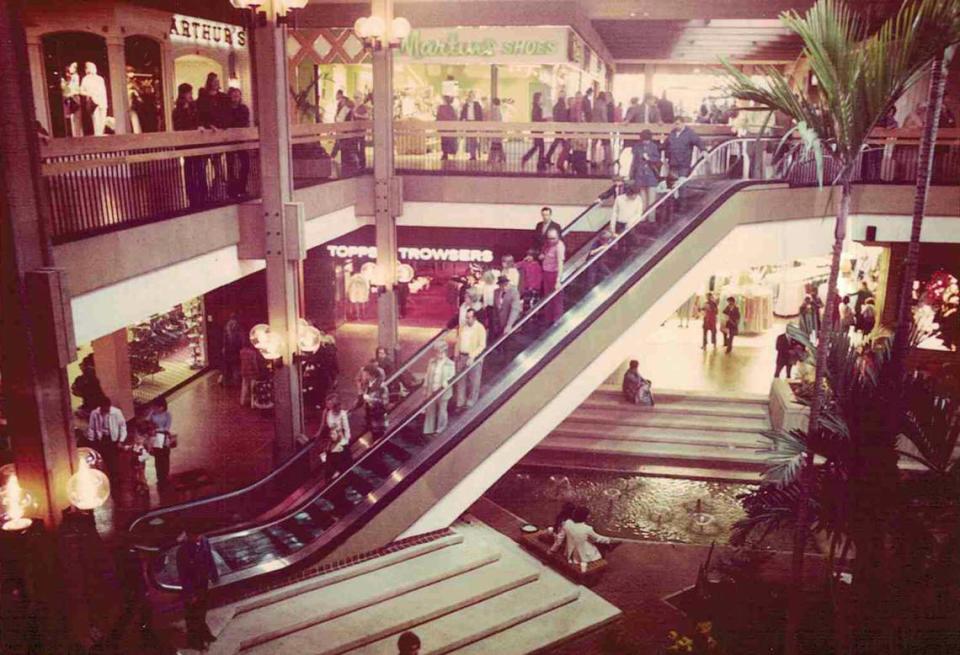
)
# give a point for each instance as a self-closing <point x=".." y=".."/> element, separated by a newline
<point x="298" y="477"/>
<point x="604" y="290"/>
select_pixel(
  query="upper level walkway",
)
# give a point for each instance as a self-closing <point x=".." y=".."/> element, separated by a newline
<point x="104" y="184"/>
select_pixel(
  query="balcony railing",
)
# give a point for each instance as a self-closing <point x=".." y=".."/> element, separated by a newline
<point x="108" y="183"/>
<point x="98" y="184"/>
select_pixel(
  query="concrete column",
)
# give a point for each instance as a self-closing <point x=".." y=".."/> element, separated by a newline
<point x="37" y="82"/>
<point x="36" y="336"/>
<point x="282" y="263"/>
<point x="648" y="70"/>
<point x="494" y="83"/>
<point x="168" y="72"/>
<point x="111" y="353"/>
<point x="119" y="98"/>
<point x="385" y="196"/>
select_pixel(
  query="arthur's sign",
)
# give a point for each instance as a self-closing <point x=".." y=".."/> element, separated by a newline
<point x="186" y="29"/>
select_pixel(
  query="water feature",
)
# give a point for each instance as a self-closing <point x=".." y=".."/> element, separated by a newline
<point x="628" y="506"/>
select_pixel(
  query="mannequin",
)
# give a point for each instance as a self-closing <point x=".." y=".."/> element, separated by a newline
<point x="70" y="90"/>
<point x="358" y="295"/>
<point x="94" y="92"/>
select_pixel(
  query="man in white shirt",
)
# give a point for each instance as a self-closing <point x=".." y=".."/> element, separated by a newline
<point x="627" y="210"/>
<point x="440" y="371"/>
<point x="471" y="342"/>
<point x="93" y="86"/>
<point x="107" y="430"/>
<point x="580" y="539"/>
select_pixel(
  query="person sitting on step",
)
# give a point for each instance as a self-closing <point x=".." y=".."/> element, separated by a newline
<point x="636" y="388"/>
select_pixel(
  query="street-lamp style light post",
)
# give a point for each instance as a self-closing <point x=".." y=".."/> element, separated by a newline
<point x="372" y="30"/>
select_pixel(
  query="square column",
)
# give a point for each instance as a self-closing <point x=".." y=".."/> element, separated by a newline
<point x="281" y="223"/>
<point x="119" y="98"/>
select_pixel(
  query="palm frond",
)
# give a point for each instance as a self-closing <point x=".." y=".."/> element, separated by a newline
<point x="785" y="456"/>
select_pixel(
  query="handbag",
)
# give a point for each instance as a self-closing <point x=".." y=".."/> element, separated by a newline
<point x="171" y="440"/>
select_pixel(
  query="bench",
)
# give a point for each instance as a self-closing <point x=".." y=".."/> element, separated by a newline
<point x="540" y="542"/>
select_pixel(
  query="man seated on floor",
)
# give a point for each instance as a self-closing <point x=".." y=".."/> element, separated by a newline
<point x="580" y="539"/>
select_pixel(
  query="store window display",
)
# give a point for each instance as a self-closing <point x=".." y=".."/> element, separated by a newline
<point x="75" y="65"/>
<point x="144" y="84"/>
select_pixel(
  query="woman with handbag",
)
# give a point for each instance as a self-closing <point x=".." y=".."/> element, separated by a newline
<point x="336" y="423"/>
<point x="162" y="441"/>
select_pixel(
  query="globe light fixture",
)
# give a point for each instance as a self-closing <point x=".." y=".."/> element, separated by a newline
<point x="258" y="335"/>
<point x="88" y="488"/>
<point x="375" y="33"/>
<point x="308" y="337"/>
<point x="91" y="457"/>
<point x="16" y="500"/>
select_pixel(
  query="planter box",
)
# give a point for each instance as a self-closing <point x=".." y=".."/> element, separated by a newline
<point x="785" y="412"/>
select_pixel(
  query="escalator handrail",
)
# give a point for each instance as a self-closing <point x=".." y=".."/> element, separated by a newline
<point x="342" y="525"/>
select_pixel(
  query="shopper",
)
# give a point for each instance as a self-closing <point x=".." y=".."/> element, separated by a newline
<point x="784" y="354"/>
<point x="862" y="295"/>
<point x="196" y="570"/>
<point x="408" y="644"/>
<point x="580" y="539"/>
<point x="238" y="163"/>
<point x="87" y="387"/>
<point x="665" y="109"/>
<point x="186" y="117"/>
<point x="212" y="104"/>
<point x="731" y="325"/>
<point x="233" y="341"/>
<point x="107" y="431"/>
<point x="249" y="372"/>
<point x="335" y="424"/>
<point x="679" y="151"/>
<point x="374" y="398"/>
<point x="362" y="111"/>
<point x="645" y="169"/>
<point x="846" y="317"/>
<point x="868" y="316"/>
<point x="636" y="388"/>
<point x="536" y="116"/>
<point x="472" y="300"/>
<point x="162" y="441"/>
<point x="508" y="267"/>
<point x="471" y="111"/>
<point x="599" y="269"/>
<point x="531" y="279"/>
<point x="446" y="112"/>
<point x="544" y="226"/>
<point x="710" y="310"/>
<point x="560" y="115"/>
<point x="507" y="305"/>
<point x="497" y="155"/>
<point x="600" y="115"/>
<point x="471" y="342"/>
<point x="627" y="210"/>
<point x="552" y="258"/>
<point x="440" y="372"/>
<point x="810" y="313"/>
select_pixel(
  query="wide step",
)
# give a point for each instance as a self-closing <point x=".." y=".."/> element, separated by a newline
<point x="693" y="437"/>
<point x="476" y="624"/>
<point x="668" y="420"/>
<point x="356" y="629"/>
<point x="267" y="624"/>
<point x="666" y="406"/>
<point x="584" y="615"/>
<point x="653" y="450"/>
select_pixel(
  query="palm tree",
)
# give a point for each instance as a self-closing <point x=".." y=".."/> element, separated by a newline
<point x="918" y="521"/>
<point x="859" y="76"/>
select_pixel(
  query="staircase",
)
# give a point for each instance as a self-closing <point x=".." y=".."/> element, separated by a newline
<point x="473" y="591"/>
<point x="687" y="434"/>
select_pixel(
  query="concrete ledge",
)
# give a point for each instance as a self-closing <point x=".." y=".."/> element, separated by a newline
<point x="785" y="412"/>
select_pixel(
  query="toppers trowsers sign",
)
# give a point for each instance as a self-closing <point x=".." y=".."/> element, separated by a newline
<point x="206" y="33"/>
<point x="532" y="45"/>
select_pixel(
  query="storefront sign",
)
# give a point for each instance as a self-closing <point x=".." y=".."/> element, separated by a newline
<point x="210" y="34"/>
<point x="415" y="254"/>
<point x="531" y="45"/>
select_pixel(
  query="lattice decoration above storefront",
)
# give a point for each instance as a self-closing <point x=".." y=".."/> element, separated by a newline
<point x="333" y="45"/>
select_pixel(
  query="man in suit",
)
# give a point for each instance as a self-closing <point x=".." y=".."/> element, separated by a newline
<point x="471" y="111"/>
<point x="732" y="324"/>
<point x="507" y="305"/>
<point x="440" y="371"/>
<point x="196" y="569"/>
<point x="679" y="150"/>
<point x="784" y="354"/>
<point x="545" y="225"/>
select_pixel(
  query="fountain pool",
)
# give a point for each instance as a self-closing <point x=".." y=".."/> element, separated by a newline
<point x="628" y="505"/>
